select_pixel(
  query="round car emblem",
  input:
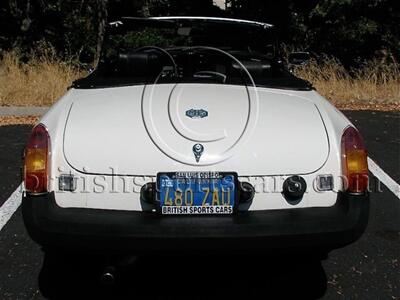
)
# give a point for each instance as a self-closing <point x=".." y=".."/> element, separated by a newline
<point x="198" y="150"/>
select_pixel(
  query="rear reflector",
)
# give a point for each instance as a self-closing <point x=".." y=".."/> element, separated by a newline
<point x="67" y="183"/>
<point x="325" y="183"/>
<point x="36" y="168"/>
<point x="354" y="161"/>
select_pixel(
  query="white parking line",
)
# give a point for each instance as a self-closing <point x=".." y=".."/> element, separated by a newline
<point x="10" y="206"/>
<point x="392" y="185"/>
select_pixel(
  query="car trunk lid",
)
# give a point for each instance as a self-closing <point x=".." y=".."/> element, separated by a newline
<point x="142" y="130"/>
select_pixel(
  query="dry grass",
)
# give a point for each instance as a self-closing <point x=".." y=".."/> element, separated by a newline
<point x="45" y="78"/>
<point x="39" y="82"/>
<point x="18" y="120"/>
<point x="373" y="86"/>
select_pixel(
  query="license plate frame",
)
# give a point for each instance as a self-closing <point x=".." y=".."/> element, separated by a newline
<point x="223" y="209"/>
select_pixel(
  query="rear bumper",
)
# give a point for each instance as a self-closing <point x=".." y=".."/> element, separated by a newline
<point x="92" y="229"/>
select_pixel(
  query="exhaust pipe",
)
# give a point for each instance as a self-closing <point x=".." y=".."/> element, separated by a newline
<point x="108" y="276"/>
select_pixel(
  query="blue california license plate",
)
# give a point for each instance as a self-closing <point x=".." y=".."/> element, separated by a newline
<point x="196" y="193"/>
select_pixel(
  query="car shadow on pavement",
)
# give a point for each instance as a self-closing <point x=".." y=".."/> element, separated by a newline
<point x="185" y="277"/>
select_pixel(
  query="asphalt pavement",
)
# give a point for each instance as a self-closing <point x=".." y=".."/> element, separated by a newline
<point x="367" y="269"/>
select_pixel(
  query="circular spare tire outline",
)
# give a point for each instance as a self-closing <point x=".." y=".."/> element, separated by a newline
<point x="190" y="160"/>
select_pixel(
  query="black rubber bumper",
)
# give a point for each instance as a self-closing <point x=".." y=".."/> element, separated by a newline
<point x="92" y="229"/>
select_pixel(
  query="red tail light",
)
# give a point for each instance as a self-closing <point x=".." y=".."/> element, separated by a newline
<point x="354" y="161"/>
<point x="37" y="158"/>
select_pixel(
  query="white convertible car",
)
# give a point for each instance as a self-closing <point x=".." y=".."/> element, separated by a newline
<point x="191" y="134"/>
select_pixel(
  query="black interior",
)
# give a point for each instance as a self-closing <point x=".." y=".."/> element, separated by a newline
<point x="185" y="59"/>
<point x="131" y="64"/>
<point x="152" y="66"/>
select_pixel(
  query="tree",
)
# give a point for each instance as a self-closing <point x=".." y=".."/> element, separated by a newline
<point x="101" y="21"/>
<point x="351" y="30"/>
<point x="355" y="29"/>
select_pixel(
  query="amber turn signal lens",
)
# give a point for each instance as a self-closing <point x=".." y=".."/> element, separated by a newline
<point x="36" y="167"/>
<point x="354" y="161"/>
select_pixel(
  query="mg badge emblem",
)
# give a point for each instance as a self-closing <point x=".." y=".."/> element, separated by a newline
<point x="196" y="113"/>
<point x="198" y="150"/>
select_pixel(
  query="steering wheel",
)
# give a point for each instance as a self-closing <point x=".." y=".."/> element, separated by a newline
<point x="194" y="49"/>
<point x="164" y="52"/>
<point x="208" y="74"/>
